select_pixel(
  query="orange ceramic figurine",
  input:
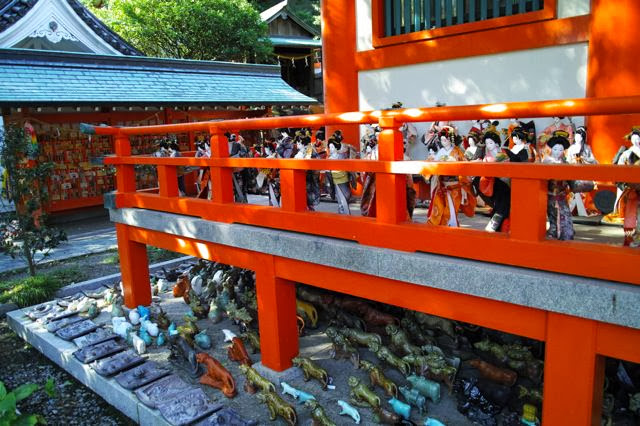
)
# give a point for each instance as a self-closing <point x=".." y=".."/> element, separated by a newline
<point x="216" y="376"/>
<point x="237" y="352"/>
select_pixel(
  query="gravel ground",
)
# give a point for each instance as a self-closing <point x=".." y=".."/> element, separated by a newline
<point x="73" y="403"/>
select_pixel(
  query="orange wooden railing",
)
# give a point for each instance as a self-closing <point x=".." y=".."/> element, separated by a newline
<point x="390" y="228"/>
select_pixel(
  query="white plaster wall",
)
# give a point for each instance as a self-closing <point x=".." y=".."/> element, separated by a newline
<point x="569" y="8"/>
<point x="364" y="28"/>
<point x="566" y="9"/>
<point x="541" y="74"/>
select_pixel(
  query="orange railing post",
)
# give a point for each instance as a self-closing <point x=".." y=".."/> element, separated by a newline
<point x="528" y="209"/>
<point x="293" y="190"/>
<point x="134" y="267"/>
<point x="221" y="178"/>
<point x="168" y="181"/>
<point x="573" y="372"/>
<point x="125" y="173"/>
<point x="276" y="316"/>
<point x="391" y="193"/>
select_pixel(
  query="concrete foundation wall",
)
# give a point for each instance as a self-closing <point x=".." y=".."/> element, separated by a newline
<point x="586" y="298"/>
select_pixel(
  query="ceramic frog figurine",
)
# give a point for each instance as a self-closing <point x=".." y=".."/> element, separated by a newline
<point x="362" y="395"/>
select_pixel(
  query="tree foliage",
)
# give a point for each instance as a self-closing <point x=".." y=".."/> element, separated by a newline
<point x="307" y="10"/>
<point x="223" y="30"/>
<point x="24" y="231"/>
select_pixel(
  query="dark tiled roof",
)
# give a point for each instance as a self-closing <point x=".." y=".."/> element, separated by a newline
<point x="12" y="10"/>
<point x="40" y="78"/>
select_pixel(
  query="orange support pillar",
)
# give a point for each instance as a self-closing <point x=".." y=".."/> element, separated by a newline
<point x="340" y="75"/>
<point x="612" y="70"/>
<point x="276" y="317"/>
<point x="125" y="173"/>
<point x="134" y="267"/>
<point x="573" y="372"/>
<point x="168" y="181"/>
<point x="391" y="192"/>
<point x="293" y="187"/>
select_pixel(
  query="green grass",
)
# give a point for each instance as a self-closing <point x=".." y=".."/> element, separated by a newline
<point x="41" y="288"/>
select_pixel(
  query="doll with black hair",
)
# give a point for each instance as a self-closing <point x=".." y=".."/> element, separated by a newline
<point x="305" y="150"/>
<point x="558" y="212"/>
<point x="203" y="181"/>
<point x="580" y="153"/>
<point x="521" y="151"/>
<point x="494" y="191"/>
<point x="629" y="201"/>
<point x="449" y="193"/>
<point x="174" y="151"/>
<point x="270" y="177"/>
<point x="237" y="149"/>
<point x="340" y="179"/>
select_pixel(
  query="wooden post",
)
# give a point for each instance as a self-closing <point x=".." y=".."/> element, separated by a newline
<point x="134" y="267"/>
<point x="391" y="192"/>
<point x="276" y="316"/>
<point x="221" y="179"/>
<point x="573" y="372"/>
<point x="168" y="181"/>
<point x="528" y="209"/>
<point x="293" y="187"/>
<point x="125" y="173"/>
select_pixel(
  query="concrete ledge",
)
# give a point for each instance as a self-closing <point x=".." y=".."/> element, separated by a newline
<point x="598" y="300"/>
<point x="114" y="278"/>
<point x="61" y="352"/>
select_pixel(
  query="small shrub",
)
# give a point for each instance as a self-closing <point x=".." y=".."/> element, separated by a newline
<point x="8" y="400"/>
<point x="31" y="290"/>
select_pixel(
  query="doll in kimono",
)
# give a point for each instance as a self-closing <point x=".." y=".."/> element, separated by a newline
<point x="558" y="212"/>
<point x="629" y="202"/>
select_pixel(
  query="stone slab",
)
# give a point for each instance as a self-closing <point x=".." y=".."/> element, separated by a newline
<point x="61" y="352"/>
<point x="599" y="300"/>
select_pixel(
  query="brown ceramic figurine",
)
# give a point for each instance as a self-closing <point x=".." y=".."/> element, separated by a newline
<point x="493" y="373"/>
<point x="360" y="337"/>
<point x="255" y="380"/>
<point x="400" y="341"/>
<point x="378" y="378"/>
<point x="237" y="352"/>
<point x="384" y="354"/>
<point x="311" y="370"/>
<point x="216" y="376"/>
<point x="278" y="407"/>
<point x="342" y="348"/>
<point x="182" y="287"/>
<point x="362" y="395"/>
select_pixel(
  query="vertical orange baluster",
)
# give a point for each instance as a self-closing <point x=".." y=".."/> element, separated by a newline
<point x="134" y="267"/>
<point x="168" y="181"/>
<point x="293" y="187"/>
<point x="221" y="180"/>
<point x="573" y="373"/>
<point x="528" y="209"/>
<point x="125" y="173"/>
<point x="276" y="317"/>
<point x="391" y="192"/>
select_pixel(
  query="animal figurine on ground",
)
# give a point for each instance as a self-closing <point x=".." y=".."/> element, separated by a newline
<point x="308" y="310"/>
<point x="413" y="397"/>
<point x="342" y="318"/>
<point x="360" y="337"/>
<point x="362" y="395"/>
<point x="203" y="340"/>
<point x="183" y="353"/>
<point x="216" y="375"/>
<point x="189" y="329"/>
<point x="415" y="332"/>
<point x="348" y="410"/>
<point x="312" y="370"/>
<point x="318" y="415"/>
<point x="237" y="352"/>
<point x="384" y="354"/>
<point x="199" y="309"/>
<point x="426" y="387"/>
<point x="162" y="320"/>
<point x="400" y="341"/>
<point x="400" y="408"/>
<point x="278" y="407"/>
<point x="385" y="417"/>
<point x="181" y="288"/>
<point x="439" y="369"/>
<point x="301" y="396"/>
<point x="342" y="348"/>
<point x="378" y="378"/>
<point x="252" y="339"/>
<point x="311" y="296"/>
<point x="418" y="362"/>
<point x="493" y="373"/>
<point x="255" y="380"/>
<point x="433" y="322"/>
